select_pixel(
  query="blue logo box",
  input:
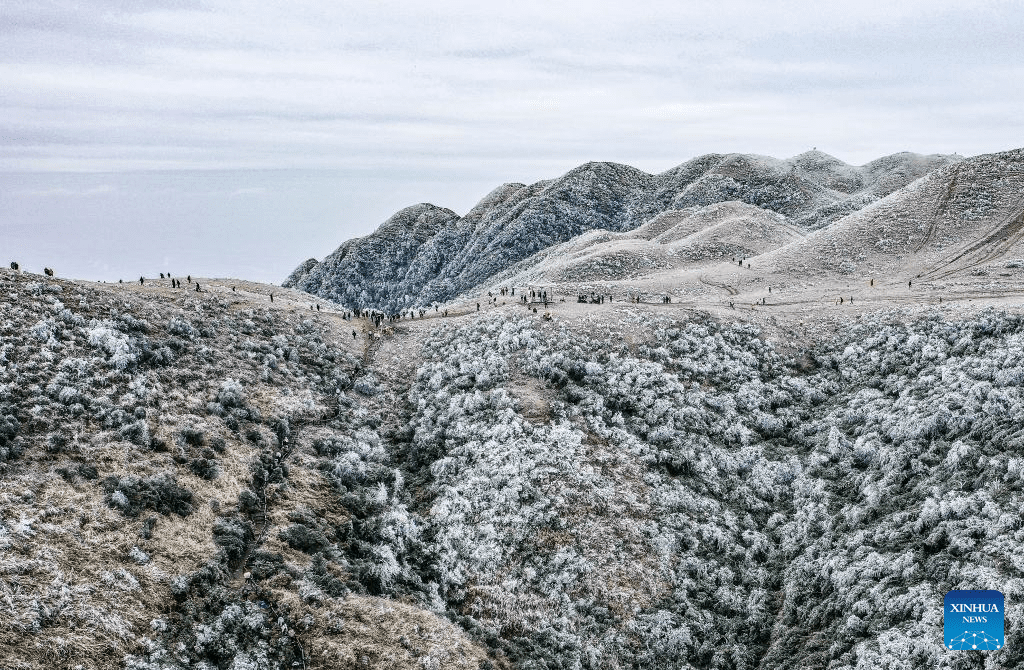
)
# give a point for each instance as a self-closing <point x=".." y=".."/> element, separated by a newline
<point x="973" y="620"/>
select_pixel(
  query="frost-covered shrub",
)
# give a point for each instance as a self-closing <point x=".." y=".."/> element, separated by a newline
<point x="117" y="345"/>
<point x="182" y="328"/>
<point x="9" y="426"/>
<point x="367" y="385"/>
<point x="231" y="394"/>
<point x="136" y="432"/>
<point x="302" y="537"/>
<point x="233" y="535"/>
<point x="217" y="628"/>
<point x="264" y="564"/>
<point x="192" y="436"/>
<point x="159" y="493"/>
<point x="205" y="465"/>
<point x="56" y="442"/>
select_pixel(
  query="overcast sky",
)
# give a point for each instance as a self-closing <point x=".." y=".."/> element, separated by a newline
<point x="239" y="138"/>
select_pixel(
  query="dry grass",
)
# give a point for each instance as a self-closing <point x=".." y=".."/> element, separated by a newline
<point x="374" y="633"/>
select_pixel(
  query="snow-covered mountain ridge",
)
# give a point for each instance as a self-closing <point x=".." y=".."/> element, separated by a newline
<point x="424" y="254"/>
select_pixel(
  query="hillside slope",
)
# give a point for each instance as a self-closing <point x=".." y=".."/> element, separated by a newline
<point x="213" y="478"/>
<point x="958" y="218"/>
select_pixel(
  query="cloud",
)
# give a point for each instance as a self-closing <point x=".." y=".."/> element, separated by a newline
<point x="64" y="192"/>
<point x="248" y="191"/>
<point x="228" y="84"/>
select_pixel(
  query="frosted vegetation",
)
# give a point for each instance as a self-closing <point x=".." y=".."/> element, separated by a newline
<point x="701" y="500"/>
<point x="191" y="485"/>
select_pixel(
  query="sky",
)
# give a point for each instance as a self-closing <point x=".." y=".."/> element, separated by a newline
<point x="237" y="139"/>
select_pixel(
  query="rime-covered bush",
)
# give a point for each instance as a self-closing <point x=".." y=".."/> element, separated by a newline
<point x="380" y="546"/>
<point x="9" y="426"/>
<point x="182" y="328"/>
<point x="160" y="493"/>
<point x="233" y="535"/>
<point x="216" y="628"/>
<point x="117" y="345"/>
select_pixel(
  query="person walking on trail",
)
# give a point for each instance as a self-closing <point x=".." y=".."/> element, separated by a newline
<point x="271" y="297"/>
<point x="872" y="281"/>
<point x="910" y="283"/>
<point x="189" y="278"/>
<point x="353" y="334"/>
<point x="197" y="288"/>
<point x="478" y="307"/>
<point x="142" y="281"/>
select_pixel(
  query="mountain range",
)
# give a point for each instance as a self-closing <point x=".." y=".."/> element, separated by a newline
<point x="426" y="254"/>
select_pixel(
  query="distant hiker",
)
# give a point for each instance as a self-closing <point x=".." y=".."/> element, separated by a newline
<point x="232" y="289"/>
<point x="353" y="334"/>
<point x="740" y="262"/>
<point x="872" y="281"/>
<point x="478" y="307"/>
<point x="142" y="281"/>
<point x="851" y="299"/>
<point x="161" y="275"/>
<point x="513" y="290"/>
<point x="271" y="297"/>
<point x="534" y="310"/>
<point x="318" y="307"/>
<point x="14" y="266"/>
<point x="120" y="281"/>
<point x="910" y="283"/>
<point x="840" y="300"/>
<point x="190" y="279"/>
<point x="197" y="288"/>
<point x="769" y="289"/>
<point x="748" y="266"/>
